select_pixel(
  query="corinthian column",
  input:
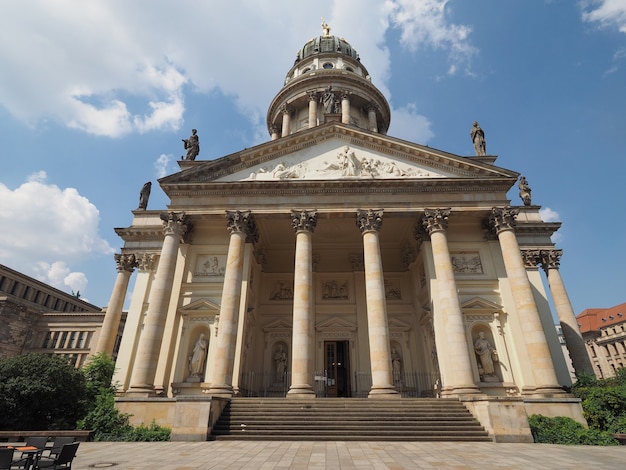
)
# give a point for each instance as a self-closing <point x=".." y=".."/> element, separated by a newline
<point x="369" y="222"/>
<point x="502" y="221"/>
<point x="286" y="110"/>
<point x="450" y="334"/>
<point x="242" y="229"/>
<point x="302" y="351"/>
<point x="345" y="107"/>
<point x="313" y="98"/>
<point x="126" y="263"/>
<point x="175" y="227"/>
<point x="371" y="117"/>
<point x="550" y="261"/>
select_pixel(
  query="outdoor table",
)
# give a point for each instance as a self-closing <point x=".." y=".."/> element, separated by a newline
<point x="30" y="452"/>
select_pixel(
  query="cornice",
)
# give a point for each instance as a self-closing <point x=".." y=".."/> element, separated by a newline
<point x="207" y="171"/>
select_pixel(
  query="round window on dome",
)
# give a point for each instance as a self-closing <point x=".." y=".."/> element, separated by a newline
<point x="328" y="65"/>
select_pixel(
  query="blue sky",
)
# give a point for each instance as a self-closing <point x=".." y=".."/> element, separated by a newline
<point x="96" y="96"/>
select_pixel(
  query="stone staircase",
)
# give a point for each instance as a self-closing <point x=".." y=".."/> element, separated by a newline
<point x="348" y="419"/>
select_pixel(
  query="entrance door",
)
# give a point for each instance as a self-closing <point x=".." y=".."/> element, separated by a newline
<point x="337" y="366"/>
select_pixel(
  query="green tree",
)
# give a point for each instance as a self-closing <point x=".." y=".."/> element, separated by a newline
<point x="40" y="392"/>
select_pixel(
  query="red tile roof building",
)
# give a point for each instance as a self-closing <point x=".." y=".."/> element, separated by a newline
<point x="604" y="332"/>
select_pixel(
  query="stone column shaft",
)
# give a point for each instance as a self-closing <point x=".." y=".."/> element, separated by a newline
<point x="565" y="312"/>
<point x="546" y="382"/>
<point x="371" y="115"/>
<point x="313" y="98"/>
<point x="240" y="225"/>
<point x="286" y="121"/>
<point x="345" y="108"/>
<point x="303" y="342"/>
<point x="369" y="222"/>
<point x="146" y="359"/>
<point x="457" y="371"/>
<point x="113" y="315"/>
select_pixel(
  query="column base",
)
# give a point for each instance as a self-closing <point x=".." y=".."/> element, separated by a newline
<point x="223" y="390"/>
<point x="543" y="391"/>
<point x="386" y="391"/>
<point x="141" y="391"/>
<point x="301" y="391"/>
<point x="459" y="390"/>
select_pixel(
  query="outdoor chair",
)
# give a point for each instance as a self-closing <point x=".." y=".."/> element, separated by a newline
<point x="62" y="461"/>
<point x="57" y="445"/>
<point x="6" y="458"/>
<point x="27" y="458"/>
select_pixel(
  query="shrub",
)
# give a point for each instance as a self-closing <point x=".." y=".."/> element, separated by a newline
<point x="40" y="392"/>
<point x="563" y="430"/>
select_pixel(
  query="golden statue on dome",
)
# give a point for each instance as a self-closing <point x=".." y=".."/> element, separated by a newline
<point x="325" y="28"/>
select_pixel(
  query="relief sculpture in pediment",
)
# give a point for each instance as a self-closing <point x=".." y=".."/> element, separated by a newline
<point x="347" y="164"/>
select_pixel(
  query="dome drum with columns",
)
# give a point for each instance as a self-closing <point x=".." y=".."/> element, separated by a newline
<point x="327" y="61"/>
<point x="337" y="261"/>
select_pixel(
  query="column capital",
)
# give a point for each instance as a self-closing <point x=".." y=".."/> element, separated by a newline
<point x="550" y="259"/>
<point x="176" y="223"/>
<point x="303" y="220"/>
<point x="435" y="220"/>
<point x="345" y="94"/>
<point x="369" y="107"/>
<point x="313" y="95"/>
<point x="285" y="108"/>
<point x="502" y="218"/>
<point x="242" y="222"/>
<point x="532" y="258"/>
<point x="369" y="220"/>
<point x="145" y="262"/>
<point x="125" y="262"/>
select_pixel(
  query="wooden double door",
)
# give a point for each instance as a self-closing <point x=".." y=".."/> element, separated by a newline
<point x="337" y="368"/>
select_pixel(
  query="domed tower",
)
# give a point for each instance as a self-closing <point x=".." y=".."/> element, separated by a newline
<point x="327" y="83"/>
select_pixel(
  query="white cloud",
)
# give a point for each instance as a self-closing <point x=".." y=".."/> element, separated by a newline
<point x="98" y="68"/>
<point x="607" y="13"/>
<point x="409" y="125"/>
<point x="424" y="24"/>
<point x="46" y="229"/>
<point x="161" y="164"/>
<point x="549" y="215"/>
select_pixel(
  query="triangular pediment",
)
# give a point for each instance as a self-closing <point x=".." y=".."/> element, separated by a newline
<point x="335" y="152"/>
<point x="335" y="324"/>
<point x="201" y="305"/>
<point x="477" y="304"/>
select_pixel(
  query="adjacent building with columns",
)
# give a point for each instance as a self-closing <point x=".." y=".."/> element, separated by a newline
<point x="334" y="260"/>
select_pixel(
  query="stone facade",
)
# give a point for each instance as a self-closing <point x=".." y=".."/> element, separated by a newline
<point x="39" y="318"/>
<point x="604" y="332"/>
<point x="335" y="260"/>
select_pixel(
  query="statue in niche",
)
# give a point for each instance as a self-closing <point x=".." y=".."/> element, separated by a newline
<point x="196" y="360"/>
<point x="192" y="145"/>
<point x="328" y="100"/>
<point x="280" y="362"/>
<point x="396" y="365"/>
<point x="524" y="190"/>
<point x="478" y="138"/>
<point x="487" y="356"/>
<point x="144" y="195"/>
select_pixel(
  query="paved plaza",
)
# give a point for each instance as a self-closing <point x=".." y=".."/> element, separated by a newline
<point x="344" y="455"/>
